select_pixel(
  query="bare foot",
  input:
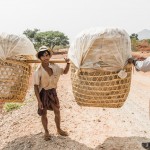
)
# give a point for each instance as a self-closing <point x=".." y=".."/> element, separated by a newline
<point x="47" y="137"/>
<point x="61" y="132"/>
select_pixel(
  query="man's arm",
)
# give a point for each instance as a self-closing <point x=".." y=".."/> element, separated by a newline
<point x="36" y="90"/>
<point x="67" y="66"/>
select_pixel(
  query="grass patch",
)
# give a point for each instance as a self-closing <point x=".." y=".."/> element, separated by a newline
<point x="11" y="106"/>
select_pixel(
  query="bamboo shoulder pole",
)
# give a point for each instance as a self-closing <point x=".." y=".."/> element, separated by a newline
<point x="51" y="61"/>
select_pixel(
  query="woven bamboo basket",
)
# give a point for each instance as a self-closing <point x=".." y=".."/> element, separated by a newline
<point x="100" y="88"/>
<point x="14" y="80"/>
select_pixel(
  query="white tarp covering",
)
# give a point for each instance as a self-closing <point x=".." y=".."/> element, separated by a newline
<point x="96" y="46"/>
<point x="13" y="45"/>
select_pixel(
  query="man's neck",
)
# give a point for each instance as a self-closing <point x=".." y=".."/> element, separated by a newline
<point x="45" y="64"/>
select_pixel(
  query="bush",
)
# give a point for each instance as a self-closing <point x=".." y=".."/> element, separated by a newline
<point x="11" y="106"/>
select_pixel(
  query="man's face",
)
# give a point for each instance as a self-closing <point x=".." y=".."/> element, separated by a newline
<point x="45" y="58"/>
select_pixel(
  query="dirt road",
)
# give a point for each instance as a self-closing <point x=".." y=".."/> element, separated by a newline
<point x="89" y="128"/>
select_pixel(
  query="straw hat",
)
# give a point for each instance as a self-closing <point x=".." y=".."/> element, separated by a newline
<point x="42" y="48"/>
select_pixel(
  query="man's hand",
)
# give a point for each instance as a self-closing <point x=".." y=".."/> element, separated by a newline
<point x="130" y="60"/>
<point x="67" y="66"/>
<point x="67" y="60"/>
<point x="57" y="103"/>
<point x="40" y="105"/>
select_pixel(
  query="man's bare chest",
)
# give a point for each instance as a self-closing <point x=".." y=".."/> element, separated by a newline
<point x="49" y="71"/>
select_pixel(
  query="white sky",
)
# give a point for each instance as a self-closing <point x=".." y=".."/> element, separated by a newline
<point x="73" y="16"/>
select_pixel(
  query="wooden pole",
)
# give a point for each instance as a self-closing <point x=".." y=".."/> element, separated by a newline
<point x="51" y="61"/>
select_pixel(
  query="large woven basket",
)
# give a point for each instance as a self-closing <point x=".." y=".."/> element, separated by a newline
<point x="14" y="80"/>
<point x="100" y="88"/>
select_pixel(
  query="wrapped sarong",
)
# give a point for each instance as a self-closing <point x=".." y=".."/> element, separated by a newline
<point x="48" y="98"/>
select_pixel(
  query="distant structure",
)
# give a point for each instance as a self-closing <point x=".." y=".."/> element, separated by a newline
<point x="144" y="34"/>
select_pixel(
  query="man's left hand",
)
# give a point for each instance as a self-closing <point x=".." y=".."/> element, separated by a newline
<point x="67" y="60"/>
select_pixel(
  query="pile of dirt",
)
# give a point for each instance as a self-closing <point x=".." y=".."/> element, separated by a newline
<point x="143" y="46"/>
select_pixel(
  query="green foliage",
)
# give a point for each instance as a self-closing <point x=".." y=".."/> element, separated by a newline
<point x="31" y="33"/>
<point x="48" y="38"/>
<point x="134" y="44"/>
<point x="11" y="106"/>
<point x="134" y="36"/>
<point x="51" y="39"/>
<point x="148" y="40"/>
<point x="134" y="41"/>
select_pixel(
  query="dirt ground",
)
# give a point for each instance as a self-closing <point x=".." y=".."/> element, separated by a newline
<point x="89" y="128"/>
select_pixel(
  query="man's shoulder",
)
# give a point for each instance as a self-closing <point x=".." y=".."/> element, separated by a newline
<point x="38" y="70"/>
<point x="57" y="68"/>
<point x="38" y="67"/>
<point x="55" y="65"/>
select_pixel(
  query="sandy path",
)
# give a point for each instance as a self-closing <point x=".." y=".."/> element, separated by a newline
<point x="89" y="128"/>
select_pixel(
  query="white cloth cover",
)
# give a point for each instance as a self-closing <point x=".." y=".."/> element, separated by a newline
<point x="113" y="49"/>
<point x="14" y="45"/>
<point x="143" y="65"/>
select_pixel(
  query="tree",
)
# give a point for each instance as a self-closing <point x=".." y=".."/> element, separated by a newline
<point x="31" y="34"/>
<point x="134" y="41"/>
<point x="148" y="40"/>
<point x="134" y="36"/>
<point x="51" y="39"/>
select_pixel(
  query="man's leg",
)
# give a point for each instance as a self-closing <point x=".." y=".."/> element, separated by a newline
<point x="45" y="124"/>
<point x="57" y="121"/>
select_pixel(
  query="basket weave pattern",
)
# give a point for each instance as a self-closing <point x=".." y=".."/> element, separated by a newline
<point x="100" y="88"/>
<point x="14" y="78"/>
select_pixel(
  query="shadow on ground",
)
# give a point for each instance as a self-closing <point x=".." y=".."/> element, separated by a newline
<point x="123" y="143"/>
<point x="36" y="142"/>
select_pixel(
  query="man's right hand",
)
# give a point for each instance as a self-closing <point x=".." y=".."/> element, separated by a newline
<point x="40" y="105"/>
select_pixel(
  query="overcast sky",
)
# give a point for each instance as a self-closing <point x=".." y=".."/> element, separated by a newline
<point x="73" y="16"/>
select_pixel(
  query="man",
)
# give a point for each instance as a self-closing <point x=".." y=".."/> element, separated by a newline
<point x="46" y="77"/>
